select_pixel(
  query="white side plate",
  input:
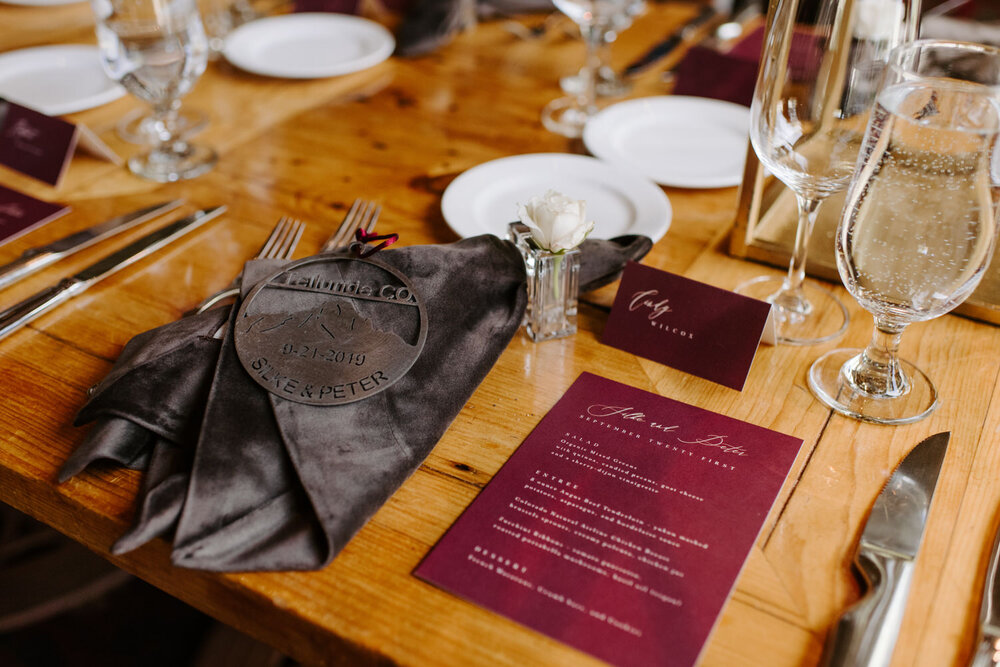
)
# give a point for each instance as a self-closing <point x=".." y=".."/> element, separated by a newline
<point x="685" y="142"/>
<point x="308" y="45"/>
<point x="484" y="199"/>
<point x="56" y="79"/>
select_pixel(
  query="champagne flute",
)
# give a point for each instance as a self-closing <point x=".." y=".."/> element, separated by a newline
<point x="157" y="49"/>
<point x="920" y="221"/>
<point x="568" y="115"/>
<point x="821" y="63"/>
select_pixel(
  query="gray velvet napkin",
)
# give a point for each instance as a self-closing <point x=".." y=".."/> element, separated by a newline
<point x="246" y="480"/>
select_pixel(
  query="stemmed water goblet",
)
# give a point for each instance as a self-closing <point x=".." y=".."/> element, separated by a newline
<point x="814" y="90"/>
<point x="219" y="17"/>
<point x="607" y="82"/>
<point x="568" y="115"/>
<point x="157" y="50"/>
<point x="919" y="225"/>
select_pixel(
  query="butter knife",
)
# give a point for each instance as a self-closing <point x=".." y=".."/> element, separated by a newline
<point x="35" y="259"/>
<point x="666" y="46"/>
<point x="988" y="646"/>
<point x="21" y="313"/>
<point x="866" y="633"/>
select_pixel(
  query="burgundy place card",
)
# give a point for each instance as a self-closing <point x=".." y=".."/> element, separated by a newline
<point x="620" y="525"/>
<point x="19" y="213"/>
<point x="41" y="146"/>
<point x="696" y="328"/>
<point x="35" y="144"/>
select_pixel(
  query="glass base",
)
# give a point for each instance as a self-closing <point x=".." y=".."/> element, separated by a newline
<point x="609" y="84"/>
<point x="136" y="127"/>
<point x="817" y="318"/>
<point x="183" y="162"/>
<point x="565" y="116"/>
<point x="833" y="388"/>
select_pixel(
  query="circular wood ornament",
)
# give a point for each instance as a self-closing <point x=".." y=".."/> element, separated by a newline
<point x="330" y="330"/>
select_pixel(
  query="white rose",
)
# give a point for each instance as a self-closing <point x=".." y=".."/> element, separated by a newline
<point x="557" y="222"/>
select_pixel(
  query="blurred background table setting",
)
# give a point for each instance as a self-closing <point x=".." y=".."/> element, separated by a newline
<point x="450" y="117"/>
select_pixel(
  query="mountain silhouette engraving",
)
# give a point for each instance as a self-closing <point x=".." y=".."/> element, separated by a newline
<point x="333" y="341"/>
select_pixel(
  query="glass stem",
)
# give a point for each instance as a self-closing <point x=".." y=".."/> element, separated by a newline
<point x="808" y="210"/>
<point x="790" y="300"/>
<point x="165" y="124"/>
<point x="593" y="36"/>
<point x="877" y="371"/>
<point x="603" y="61"/>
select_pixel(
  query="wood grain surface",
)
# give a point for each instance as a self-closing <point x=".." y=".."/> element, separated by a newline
<point x="399" y="133"/>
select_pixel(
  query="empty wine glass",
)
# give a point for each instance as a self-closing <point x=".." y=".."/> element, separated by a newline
<point x="157" y="49"/>
<point x="920" y="220"/>
<point x="821" y="63"/>
<point x="568" y="115"/>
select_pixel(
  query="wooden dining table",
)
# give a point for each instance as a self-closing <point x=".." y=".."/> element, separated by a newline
<point x="399" y="133"/>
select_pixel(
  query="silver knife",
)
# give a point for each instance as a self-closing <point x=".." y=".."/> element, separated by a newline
<point x="988" y="647"/>
<point x="665" y="47"/>
<point x="866" y="633"/>
<point x="34" y="259"/>
<point x="20" y="314"/>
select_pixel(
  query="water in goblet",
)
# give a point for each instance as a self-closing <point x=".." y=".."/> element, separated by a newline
<point x="917" y="235"/>
<point x="157" y="53"/>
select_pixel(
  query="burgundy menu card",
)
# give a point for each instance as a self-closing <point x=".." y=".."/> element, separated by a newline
<point x="619" y="525"/>
<point x="696" y="328"/>
<point x="19" y="213"/>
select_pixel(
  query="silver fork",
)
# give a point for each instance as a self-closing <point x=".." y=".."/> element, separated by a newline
<point x="279" y="245"/>
<point x="362" y="215"/>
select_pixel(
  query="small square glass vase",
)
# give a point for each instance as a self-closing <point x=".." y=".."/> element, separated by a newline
<point x="553" y="285"/>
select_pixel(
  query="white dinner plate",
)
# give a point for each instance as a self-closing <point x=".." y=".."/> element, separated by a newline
<point x="484" y="199"/>
<point x="686" y="142"/>
<point x="56" y="79"/>
<point x="308" y="45"/>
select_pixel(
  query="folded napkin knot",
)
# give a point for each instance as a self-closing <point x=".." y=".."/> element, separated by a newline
<point x="363" y="238"/>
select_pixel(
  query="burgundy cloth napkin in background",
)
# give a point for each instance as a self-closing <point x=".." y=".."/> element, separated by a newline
<point x="729" y="76"/>
<point x="705" y="72"/>
<point x="732" y="75"/>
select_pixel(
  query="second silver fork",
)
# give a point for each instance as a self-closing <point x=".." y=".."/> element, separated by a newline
<point x="279" y="245"/>
<point x="362" y="215"/>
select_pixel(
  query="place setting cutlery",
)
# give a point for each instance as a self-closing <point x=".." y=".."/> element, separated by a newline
<point x="29" y="309"/>
<point x="987" y="651"/>
<point x="885" y="558"/>
<point x="284" y="239"/>
<point x="37" y="258"/>
<point x="362" y="215"/>
<point x="280" y="244"/>
<point x="677" y="38"/>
